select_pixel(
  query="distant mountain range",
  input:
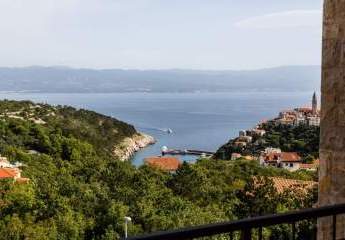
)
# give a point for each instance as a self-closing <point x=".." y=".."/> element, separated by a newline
<point x="69" y="80"/>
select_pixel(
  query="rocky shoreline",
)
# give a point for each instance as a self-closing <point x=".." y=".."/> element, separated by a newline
<point x="130" y="146"/>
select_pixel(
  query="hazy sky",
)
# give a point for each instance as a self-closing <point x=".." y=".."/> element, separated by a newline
<point x="160" y="34"/>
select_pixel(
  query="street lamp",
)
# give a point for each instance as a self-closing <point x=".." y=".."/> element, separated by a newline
<point x="127" y="220"/>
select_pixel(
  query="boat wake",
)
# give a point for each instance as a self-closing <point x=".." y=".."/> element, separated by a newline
<point x="165" y="130"/>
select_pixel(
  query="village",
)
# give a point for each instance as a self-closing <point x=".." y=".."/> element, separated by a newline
<point x="275" y="157"/>
<point x="270" y="156"/>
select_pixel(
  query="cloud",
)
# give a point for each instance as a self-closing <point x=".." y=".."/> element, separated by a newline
<point x="286" y="19"/>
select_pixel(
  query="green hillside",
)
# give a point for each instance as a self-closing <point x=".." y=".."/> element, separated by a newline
<point x="302" y="139"/>
<point x="46" y="129"/>
<point x="78" y="190"/>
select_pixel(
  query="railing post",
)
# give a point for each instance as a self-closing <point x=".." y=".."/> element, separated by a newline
<point x="334" y="232"/>
<point x="293" y="231"/>
<point x="260" y="233"/>
<point x="246" y="234"/>
<point x="231" y="235"/>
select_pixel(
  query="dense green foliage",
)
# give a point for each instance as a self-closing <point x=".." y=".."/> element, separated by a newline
<point x="303" y="139"/>
<point x="63" y="124"/>
<point x="79" y="191"/>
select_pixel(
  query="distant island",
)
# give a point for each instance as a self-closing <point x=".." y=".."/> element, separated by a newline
<point x="69" y="80"/>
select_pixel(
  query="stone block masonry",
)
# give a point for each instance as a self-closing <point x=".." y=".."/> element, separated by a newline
<point x="332" y="146"/>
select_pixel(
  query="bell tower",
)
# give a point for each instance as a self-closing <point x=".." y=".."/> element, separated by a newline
<point x="314" y="104"/>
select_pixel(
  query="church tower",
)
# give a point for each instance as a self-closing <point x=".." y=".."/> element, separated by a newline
<point x="314" y="104"/>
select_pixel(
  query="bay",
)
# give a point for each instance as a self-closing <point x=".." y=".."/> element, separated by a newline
<point x="202" y="121"/>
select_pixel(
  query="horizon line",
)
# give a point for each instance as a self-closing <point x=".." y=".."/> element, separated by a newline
<point x="157" y="69"/>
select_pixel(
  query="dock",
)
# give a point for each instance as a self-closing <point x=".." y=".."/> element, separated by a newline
<point x="187" y="152"/>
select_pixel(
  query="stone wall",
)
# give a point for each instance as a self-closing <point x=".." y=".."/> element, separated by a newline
<point x="332" y="148"/>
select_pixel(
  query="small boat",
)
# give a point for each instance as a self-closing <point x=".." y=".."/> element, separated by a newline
<point x="169" y="131"/>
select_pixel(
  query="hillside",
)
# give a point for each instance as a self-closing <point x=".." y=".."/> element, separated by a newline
<point x="44" y="128"/>
<point x="67" y="80"/>
<point x="302" y="139"/>
<point x="78" y="190"/>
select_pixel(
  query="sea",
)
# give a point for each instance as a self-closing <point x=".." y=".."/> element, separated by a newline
<point x="201" y="121"/>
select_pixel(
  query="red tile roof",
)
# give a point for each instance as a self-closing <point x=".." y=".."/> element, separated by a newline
<point x="304" y="110"/>
<point x="8" y="173"/>
<point x="283" y="157"/>
<point x="290" y="157"/>
<point x="164" y="163"/>
<point x="281" y="184"/>
<point x="313" y="165"/>
<point x="272" y="157"/>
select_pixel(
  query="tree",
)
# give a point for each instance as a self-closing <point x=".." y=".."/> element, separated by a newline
<point x="257" y="198"/>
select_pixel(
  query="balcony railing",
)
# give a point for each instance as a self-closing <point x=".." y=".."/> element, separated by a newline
<point x="247" y="226"/>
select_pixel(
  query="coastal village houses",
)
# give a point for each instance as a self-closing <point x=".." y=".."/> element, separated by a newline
<point x="301" y="116"/>
<point x="287" y="160"/>
<point x="246" y="136"/>
<point x="291" y="161"/>
<point x="274" y="157"/>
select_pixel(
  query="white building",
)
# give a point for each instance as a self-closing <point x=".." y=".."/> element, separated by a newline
<point x="242" y="133"/>
<point x="247" y="139"/>
<point x="288" y="160"/>
<point x="235" y="156"/>
<point x="270" y="150"/>
<point x="4" y="163"/>
<point x="314" y="121"/>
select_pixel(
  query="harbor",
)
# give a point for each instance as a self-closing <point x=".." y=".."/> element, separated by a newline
<point x="166" y="151"/>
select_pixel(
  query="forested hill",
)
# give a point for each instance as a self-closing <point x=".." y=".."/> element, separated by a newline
<point x="51" y="130"/>
<point x="77" y="190"/>
<point x="69" y="80"/>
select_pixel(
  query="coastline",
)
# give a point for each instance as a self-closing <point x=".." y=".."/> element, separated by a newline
<point x="130" y="146"/>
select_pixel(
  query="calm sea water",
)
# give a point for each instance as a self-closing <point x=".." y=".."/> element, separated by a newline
<point x="202" y="121"/>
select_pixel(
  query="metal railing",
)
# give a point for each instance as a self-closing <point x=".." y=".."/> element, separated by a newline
<point x="247" y="226"/>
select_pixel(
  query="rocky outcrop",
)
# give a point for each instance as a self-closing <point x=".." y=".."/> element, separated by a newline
<point x="130" y="146"/>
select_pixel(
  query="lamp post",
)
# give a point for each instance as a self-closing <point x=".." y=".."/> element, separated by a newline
<point x="164" y="150"/>
<point x="127" y="220"/>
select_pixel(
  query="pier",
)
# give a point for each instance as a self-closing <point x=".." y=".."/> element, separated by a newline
<point x="166" y="151"/>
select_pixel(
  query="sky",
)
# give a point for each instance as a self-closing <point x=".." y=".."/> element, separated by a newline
<point x="160" y="34"/>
